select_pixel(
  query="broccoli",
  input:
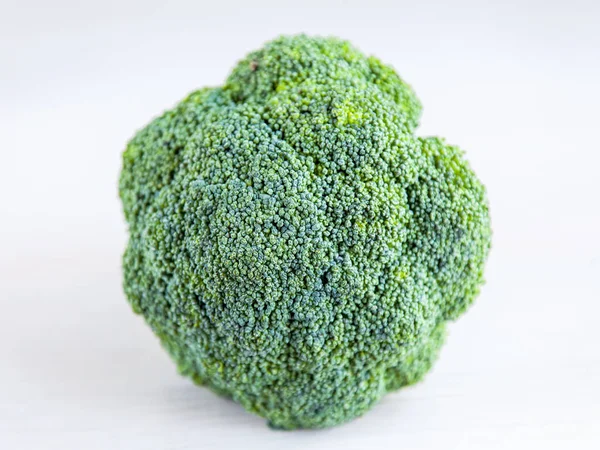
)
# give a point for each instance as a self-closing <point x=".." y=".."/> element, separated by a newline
<point x="293" y="244"/>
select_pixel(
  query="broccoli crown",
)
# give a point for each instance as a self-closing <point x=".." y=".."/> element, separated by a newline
<point x="292" y="243"/>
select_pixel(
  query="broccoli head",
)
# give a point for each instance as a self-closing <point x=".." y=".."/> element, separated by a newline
<point x="293" y="244"/>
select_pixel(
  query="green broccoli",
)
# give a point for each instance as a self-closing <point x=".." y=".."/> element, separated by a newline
<point x="292" y="243"/>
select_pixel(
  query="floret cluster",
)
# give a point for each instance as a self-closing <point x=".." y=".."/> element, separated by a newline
<point x="293" y="243"/>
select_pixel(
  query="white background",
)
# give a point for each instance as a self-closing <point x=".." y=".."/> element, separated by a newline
<point x="516" y="84"/>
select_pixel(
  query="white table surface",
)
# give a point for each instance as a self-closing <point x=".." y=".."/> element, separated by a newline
<point x="513" y="83"/>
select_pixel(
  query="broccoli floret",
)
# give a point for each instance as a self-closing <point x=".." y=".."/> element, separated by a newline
<point x="292" y="243"/>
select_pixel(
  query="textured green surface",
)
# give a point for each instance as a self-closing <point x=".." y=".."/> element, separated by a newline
<point x="292" y="243"/>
